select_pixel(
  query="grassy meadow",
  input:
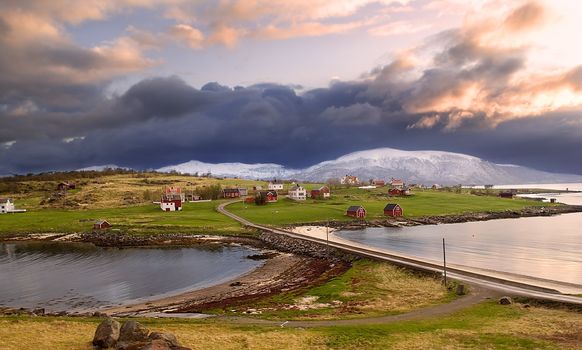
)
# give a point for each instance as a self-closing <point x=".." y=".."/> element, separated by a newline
<point x="125" y="200"/>
<point x="484" y="326"/>
<point x="421" y="203"/>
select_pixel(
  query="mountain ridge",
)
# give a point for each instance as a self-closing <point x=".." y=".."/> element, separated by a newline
<point x="426" y="167"/>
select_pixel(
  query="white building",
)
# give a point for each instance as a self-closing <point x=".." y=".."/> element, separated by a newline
<point x="349" y="180"/>
<point x="297" y="193"/>
<point x="396" y="183"/>
<point x="275" y="186"/>
<point x="7" y="206"/>
<point x="170" y="205"/>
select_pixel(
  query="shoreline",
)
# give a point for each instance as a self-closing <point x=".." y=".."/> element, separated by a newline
<point x="280" y="272"/>
<point x="120" y="240"/>
<point x="442" y="219"/>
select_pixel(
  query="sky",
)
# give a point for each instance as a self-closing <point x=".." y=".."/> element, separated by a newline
<point x="150" y="83"/>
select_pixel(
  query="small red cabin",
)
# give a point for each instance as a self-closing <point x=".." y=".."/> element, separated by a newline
<point x="101" y="224"/>
<point x="356" y="211"/>
<point x="393" y="209"/>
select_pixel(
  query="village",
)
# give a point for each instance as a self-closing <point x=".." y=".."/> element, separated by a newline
<point x="181" y="194"/>
<point x="172" y="198"/>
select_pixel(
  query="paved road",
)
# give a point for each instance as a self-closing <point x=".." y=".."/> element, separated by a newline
<point x="493" y="283"/>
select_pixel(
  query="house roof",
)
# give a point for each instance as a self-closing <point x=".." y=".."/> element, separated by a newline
<point x="355" y="208"/>
<point x="231" y="190"/>
<point x="264" y="193"/>
<point x="391" y="206"/>
<point x="101" y="222"/>
<point x="295" y="188"/>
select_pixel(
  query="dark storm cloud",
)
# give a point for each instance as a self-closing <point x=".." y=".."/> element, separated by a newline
<point x="464" y="101"/>
<point x="163" y="121"/>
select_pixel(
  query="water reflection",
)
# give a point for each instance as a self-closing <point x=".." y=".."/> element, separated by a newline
<point x="543" y="247"/>
<point x="61" y="276"/>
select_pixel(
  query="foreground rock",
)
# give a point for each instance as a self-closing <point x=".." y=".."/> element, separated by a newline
<point x="505" y="301"/>
<point x="133" y="336"/>
<point x="107" y="334"/>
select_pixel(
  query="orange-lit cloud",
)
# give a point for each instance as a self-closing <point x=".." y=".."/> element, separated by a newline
<point x="480" y="73"/>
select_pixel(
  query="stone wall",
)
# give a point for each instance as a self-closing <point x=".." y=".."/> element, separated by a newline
<point x="303" y="247"/>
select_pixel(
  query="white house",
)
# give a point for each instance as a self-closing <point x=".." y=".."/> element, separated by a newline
<point x="396" y="183"/>
<point x="170" y="205"/>
<point x="6" y="205"/>
<point x="275" y="186"/>
<point x="349" y="180"/>
<point x="297" y="193"/>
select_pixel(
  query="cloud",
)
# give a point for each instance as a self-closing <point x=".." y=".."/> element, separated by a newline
<point x="356" y="114"/>
<point x="474" y="79"/>
<point x="399" y="28"/>
<point x="469" y="89"/>
<point x="191" y="36"/>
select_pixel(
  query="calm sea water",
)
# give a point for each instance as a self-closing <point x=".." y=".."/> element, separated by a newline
<point x="566" y="198"/>
<point x="542" y="247"/>
<point x="64" y="276"/>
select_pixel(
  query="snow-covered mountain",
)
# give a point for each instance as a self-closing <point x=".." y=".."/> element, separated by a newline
<point x="101" y="167"/>
<point x="425" y="167"/>
<point x="242" y="170"/>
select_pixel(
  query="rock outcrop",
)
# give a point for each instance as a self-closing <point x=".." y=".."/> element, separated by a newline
<point x="132" y="336"/>
<point x="107" y="334"/>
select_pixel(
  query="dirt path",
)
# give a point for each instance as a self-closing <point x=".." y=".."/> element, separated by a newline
<point x="477" y="295"/>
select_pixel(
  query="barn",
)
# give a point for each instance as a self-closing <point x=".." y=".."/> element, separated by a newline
<point x="393" y="209"/>
<point x="101" y="224"/>
<point x="356" y="211"/>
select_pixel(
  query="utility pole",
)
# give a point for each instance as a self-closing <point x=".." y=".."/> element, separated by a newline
<point x="327" y="237"/>
<point x="444" y="262"/>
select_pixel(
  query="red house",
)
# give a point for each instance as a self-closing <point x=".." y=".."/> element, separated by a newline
<point x="320" y="193"/>
<point x="101" y="224"/>
<point x="249" y="199"/>
<point x="268" y="196"/>
<point x="404" y="191"/>
<point x="393" y="209"/>
<point x="231" y="193"/>
<point x="356" y="211"/>
<point x="379" y="183"/>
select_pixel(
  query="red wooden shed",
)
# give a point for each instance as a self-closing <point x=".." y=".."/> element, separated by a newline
<point x="101" y="224"/>
<point x="393" y="209"/>
<point x="356" y="211"/>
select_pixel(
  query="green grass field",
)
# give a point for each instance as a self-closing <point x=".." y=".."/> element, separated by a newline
<point x="484" y="326"/>
<point x="421" y="203"/>
<point x="202" y="217"/>
<point x="194" y="218"/>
